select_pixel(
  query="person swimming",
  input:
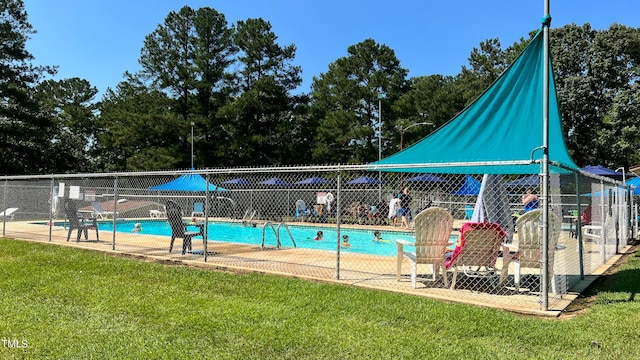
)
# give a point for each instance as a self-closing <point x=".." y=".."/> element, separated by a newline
<point x="319" y="235"/>
<point x="137" y="227"/>
<point x="345" y="241"/>
<point x="377" y="237"/>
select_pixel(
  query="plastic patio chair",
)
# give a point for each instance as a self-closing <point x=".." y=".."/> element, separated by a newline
<point x="198" y="209"/>
<point x="301" y="210"/>
<point x="468" y="212"/>
<point x="433" y="228"/>
<point x="530" y="245"/>
<point x="78" y="222"/>
<point x="179" y="229"/>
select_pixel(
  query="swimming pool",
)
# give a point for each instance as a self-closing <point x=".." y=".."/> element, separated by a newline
<point x="361" y="240"/>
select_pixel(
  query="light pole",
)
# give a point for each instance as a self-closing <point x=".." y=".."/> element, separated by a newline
<point x="380" y="96"/>
<point x="407" y="128"/>
<point x="192" y="145"/>
<point x="402" y="130"/>
<point x="624" y="178"/>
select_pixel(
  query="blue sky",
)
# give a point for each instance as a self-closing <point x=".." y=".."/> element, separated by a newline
<point x="99" y="40"/>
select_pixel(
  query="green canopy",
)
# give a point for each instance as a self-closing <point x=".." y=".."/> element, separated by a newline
<point x="501" y="132"/>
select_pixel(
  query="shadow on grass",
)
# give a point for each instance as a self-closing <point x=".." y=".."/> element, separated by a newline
<point x="619" y="284"/>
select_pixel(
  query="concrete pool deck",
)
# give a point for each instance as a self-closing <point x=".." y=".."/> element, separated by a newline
<point x="367" y="271"/>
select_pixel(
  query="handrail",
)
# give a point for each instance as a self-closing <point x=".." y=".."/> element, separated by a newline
<point x="250" y="220"/>
<point x="246" y="212"/>
<point x="288" y="231"/>
<point x="264" y="230"/>
<point x="276" y="232"/>
<point x="233" y="203"/>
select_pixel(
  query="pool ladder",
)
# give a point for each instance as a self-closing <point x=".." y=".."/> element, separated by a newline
<point x="248" y="220"/>
<point x="276" y="232"/>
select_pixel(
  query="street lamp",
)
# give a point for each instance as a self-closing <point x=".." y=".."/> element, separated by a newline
<point x="624" y="178"/>
<point x="407" y="128"/>
<point x="380" y="96"/>
<point x="402" y="130"/>
<point x="192" y="145"/>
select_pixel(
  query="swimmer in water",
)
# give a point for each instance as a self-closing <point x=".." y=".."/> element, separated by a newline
<point x="345" y="241"/>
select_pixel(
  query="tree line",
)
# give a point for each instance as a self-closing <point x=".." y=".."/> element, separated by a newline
<point x="234" y="85"/>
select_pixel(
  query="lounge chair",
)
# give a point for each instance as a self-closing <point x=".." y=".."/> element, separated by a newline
<point x="180" y="229"/>
<point x="8" y="213"/>
<point x="530" y="245"/>
<point x="98" y="211"/>
<point x="595" y="232"/>
<point x="433" y="228"/>
<point x="78" y="222"/>
<point x="477" y="251"/>
<point x="592" y="233"/>
<point x="156" y="213"/>
<point x="198" y="209"/>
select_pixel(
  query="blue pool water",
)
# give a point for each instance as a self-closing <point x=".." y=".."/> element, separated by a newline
<point x="361" y="240"/>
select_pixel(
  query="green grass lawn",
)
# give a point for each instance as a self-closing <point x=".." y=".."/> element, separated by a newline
<point x="65" y="303"/>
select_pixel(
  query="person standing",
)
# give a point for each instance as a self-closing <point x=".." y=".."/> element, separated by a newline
<point x="394" y="207"/>
<point x="405" y="207"/>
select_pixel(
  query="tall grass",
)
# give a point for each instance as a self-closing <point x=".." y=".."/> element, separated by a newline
<point x="65" y="303"/>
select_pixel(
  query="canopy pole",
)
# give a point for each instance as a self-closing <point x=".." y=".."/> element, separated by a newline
<point x="544" y="286"/>
<point x="579" y="227"/>
<point x="207" y="205"/>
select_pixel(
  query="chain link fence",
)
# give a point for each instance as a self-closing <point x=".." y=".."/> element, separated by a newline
<point x="472" y="238"/>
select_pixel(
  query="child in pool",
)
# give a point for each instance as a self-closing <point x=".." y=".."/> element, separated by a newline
<point x="345" y="241"/>
<point x="377" y="237"/>
<point x="319" y="235"/>
<point x="137" y="227"/>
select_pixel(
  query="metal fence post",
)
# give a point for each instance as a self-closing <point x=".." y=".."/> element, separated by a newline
<point x="338" y="220"/>
<point x="115" y="211"/>
<point x="4" y="207"/>
<point x="52" y="200"/>
<point x="579" y="228"/>
<point x="205" y="236"/>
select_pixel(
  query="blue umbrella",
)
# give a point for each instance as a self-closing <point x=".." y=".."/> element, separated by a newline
<point x="601" y="170"/>
<point x="313" y="180"/>
<point x="598" y="193"/>
<point x="187" y="182"/>
<point x="364" y="180"/>
<point x="274" y="181"/>
<point x="238" y="181"/>
<point x="527" y="181"/>
<point x="635" y="182"/>
<point x="426" y="178"/>
<point x="471" y="186"/>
